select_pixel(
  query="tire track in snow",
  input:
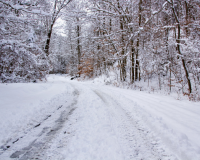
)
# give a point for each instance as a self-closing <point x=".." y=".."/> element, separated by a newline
<point x="155" y="101"/>
<point x="44" y="133"/>
<point x="168" y="110"/>
<point x="137" y="142"/>
<point x="177" y="142"/>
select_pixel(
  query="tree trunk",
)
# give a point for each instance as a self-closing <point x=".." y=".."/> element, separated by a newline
<point x="137" y="63"/>
<point x="132" y="62"/>
<point x="179" y="50"/>
<point x="78" y="45"/>
<point x="123" y="59"/>
<point x="48" y="40"/>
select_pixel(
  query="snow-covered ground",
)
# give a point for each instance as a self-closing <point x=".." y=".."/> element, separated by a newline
<point x="72" y="120"/>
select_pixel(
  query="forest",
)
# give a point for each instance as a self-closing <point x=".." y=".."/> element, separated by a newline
<point x="132" y="41"/>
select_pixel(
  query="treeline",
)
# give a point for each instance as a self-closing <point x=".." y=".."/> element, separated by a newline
<point x="25" y="34"/>
<point x="138" y="40"/>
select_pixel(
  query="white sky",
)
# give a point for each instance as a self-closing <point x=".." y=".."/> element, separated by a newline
<point x="59" y="27"/>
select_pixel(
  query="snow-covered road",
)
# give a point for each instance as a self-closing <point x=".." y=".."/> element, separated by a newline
<point x="98" y="122"/>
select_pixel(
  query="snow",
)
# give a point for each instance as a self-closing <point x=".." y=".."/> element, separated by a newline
<point x="24" y="104"/>
<point x="177" y="123"/>
<point x="91" y="120"/>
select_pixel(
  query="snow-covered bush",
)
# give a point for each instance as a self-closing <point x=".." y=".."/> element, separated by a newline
<point x="21" y="63"/>
<point x="22" y="36"/>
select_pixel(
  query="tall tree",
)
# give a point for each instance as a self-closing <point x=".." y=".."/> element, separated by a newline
<point x="58" y="6"/>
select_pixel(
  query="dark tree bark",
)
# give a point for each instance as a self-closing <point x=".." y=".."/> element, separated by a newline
<point x="179" y="48"/>
<point x="137" y="63"/>
<point x="48" y="40"/>
<point x="123" y="58"/>
<point x="55" y="14"/>
<point x="78" y="41"/>
<point x="132" y="62"/>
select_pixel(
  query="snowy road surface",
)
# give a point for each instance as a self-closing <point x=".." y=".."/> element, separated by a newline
<point x="85" y="121"/>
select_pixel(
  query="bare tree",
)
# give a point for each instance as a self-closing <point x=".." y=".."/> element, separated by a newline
<point x="58" y="6"/>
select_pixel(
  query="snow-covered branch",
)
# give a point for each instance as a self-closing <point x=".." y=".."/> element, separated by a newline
<point x="25" y="8"/>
